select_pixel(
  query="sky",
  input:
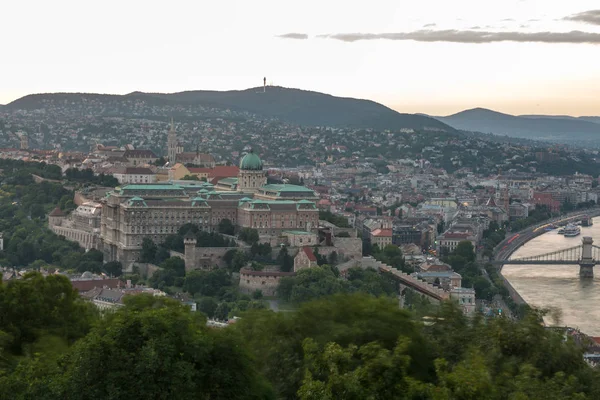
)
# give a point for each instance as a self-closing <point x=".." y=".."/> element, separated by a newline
<point x="416" y="56"/>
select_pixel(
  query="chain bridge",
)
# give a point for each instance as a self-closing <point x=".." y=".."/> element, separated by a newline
<point x="585" y="255"/>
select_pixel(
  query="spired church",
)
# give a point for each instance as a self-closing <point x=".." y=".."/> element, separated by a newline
<point x="134" y="212"/>
<point x="176" y="154"/>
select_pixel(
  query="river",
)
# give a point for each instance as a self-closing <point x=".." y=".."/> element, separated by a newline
<point x="559" y="286"/>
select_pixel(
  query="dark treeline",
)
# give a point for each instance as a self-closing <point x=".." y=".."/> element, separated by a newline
<point x="354" y="346"/>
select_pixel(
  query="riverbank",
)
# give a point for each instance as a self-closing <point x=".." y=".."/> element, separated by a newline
<point x="516" y="240"/>
<point x="557" y="286"/>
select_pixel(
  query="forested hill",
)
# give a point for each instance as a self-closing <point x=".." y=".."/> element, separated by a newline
<point x="290" y="105"/>
<point x="563" y="129"/>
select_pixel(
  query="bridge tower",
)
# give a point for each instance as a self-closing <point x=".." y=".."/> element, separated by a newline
<point x="586" y="266"/>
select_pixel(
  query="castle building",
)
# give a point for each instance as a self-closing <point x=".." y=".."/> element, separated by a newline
<point x="133" y="212"/>
<point x="251" y="176"/>
<point x="81" y="226"/>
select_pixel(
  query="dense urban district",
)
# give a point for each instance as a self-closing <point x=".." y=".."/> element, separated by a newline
<point x="169" y="253"/>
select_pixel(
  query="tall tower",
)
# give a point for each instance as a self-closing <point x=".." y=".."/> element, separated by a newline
<point x="172" y="143"/>
<point x="264" y="84"/>
<point x="189" y="242"/>
<point x="24" y="142"/>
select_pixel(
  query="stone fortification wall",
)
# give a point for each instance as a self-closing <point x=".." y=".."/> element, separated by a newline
<point x="349" y="247"/>
<point x="265" y="281"/>
<point x="210" y="255"/>
<point x="404" y="279"/>
<point x="87" y="240"/>
<point x="146" y="269"/>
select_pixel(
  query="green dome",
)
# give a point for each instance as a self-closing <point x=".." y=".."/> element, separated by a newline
<point x="251" y="162"/>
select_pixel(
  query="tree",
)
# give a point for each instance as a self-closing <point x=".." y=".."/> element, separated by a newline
<point x="37" y="211"/>
<point x="165" y="352"/>
<point x="208" y="306"/>
<point x="226" y="227"/>
<point x="249" y="235"/>
<point x="148" y="253"/>
<point x="284" y="260"/>
<point x="206" y="283"/>
<point x="312" y="283"/>
<point x="113" y="268"/>
<point x="35" y="306"/>
<point x="190" y="178"/>
<point x="93" y="255"/>
<point x="344" y="320"/>
<point x="175" y="264"/>
<point x="465" y="250"/>
<point x="239" y="261"/>
<point x="332" y="259"/>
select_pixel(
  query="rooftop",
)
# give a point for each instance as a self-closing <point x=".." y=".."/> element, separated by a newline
<point x="158" y="186"/>
<point x="286" y="188"/>
<point x="297" y="232"/>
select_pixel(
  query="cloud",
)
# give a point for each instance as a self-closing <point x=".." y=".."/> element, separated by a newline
<point x="588" y="17"/>
<point x="475" y="27"/>
<point x="429" y="25"/>
<point x="293" y="35"/>
<point x="469" y="36"/>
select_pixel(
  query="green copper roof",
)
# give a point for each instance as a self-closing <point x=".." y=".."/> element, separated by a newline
<point x="198" y="201"/>
<point x="137" y="201"/>
<point x="228" y="180"/>
<point x="286" y="188"/>
<point x="153" y="187"/>
<point x="251" y="162"/>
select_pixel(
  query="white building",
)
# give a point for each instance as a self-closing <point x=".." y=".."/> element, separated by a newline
<point x="139" y="175"/>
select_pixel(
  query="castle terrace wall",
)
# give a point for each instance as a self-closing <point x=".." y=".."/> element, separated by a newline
<point x="265" y="281"/>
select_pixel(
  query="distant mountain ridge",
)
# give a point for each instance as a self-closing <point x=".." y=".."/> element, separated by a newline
<point x="290" y="105"/>
<point x="564" y="129"/>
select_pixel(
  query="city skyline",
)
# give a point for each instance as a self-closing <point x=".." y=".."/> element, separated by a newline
<point x="515" y="56"/>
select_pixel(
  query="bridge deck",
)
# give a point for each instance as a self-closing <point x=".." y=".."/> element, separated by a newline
<point x="537" y="262"/>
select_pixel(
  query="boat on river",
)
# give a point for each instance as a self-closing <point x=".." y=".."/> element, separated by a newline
<point x="572" y="230"/>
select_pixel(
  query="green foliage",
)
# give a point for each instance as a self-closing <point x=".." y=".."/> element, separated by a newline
<point x="175" y="264"/>
<point x="261" y="251"/>
<point x="53" y="346"/>
<point x="390" y="255"/>
<point x="541" y="213"/>
<point x="190" y="178"/>
<point x="337" y="220"/>
<point x="87" y="176"/>
<point x="284" y="260"/>
<point x="372" y="282"/>
<point x="113" y="268"/>
<point x="158" y="351"/>
<point x="465" y="250"/>
<point x="310" y="284"/>
<point x="148" y="252"/>
<point x="226" y="227"/>
<point x="208" y="306"/>
<point x="249" y="235"/>
<point x="277" y="339"/>
<point x="171" y="269"/>
<point x="34" y="306"/>
<point x="207" y="283"/>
